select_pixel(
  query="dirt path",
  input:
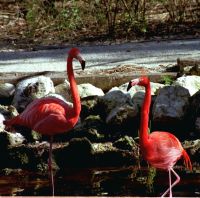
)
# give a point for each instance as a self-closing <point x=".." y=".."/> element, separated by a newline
<point x="153" y="55"/>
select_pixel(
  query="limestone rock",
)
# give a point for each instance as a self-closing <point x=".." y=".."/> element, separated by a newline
<point x="170" y="108"/>
<point x="154" y="88"/>
<point x="6" y="112"/>
<point x="137" y="92"/>
<point x="27" y="157"/>
<point x="8" y="139"/>
<point x="112" y="99"/>
<point x="192" y="83"/>
<point x="171" y="102"/>
<point x="6" y="90"/>
<point x="92" y="128"/>
<point x="87" y="89"/>
<point x="29" y="89"/>
<point x="193" y="149"/>
<point x="123" y="120"/>
<point x="126" y="143"/>
<point x="88" y="105"/>
<point x="64" y="90"/>
<point x="2" y="118"/>
<point x="78" y="153"/>
<point x="106" y="155"/>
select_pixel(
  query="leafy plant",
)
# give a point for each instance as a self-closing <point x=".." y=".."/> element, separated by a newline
<point x="150" y="179"/>
<point x="61" y="20"/>
<point x="68" y="17"/>
<point x="167" y="80"/>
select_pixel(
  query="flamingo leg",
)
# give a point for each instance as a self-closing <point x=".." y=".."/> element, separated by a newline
<point x="50" y="165"/>
<point x="171" y="186"/>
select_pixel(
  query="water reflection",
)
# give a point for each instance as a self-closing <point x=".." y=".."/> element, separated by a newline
<point x="127" y="181"/>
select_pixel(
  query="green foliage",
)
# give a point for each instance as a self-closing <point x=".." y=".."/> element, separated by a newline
<point x="49" y="16"/>
<point x="34" y="15"/>
<point x="68" y="17"/>
<point x="167" y="80"/>
<point x="150" y="179"/>
<point x="32" y="12"/>
<point x="116" y="18"/>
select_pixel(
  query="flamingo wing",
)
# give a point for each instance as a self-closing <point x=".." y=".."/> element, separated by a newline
<point x="46" y="115"/>
<point x="52" y="124"/>
<point x="164" y="149"/>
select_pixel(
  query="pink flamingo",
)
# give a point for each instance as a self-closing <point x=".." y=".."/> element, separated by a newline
<point x="50" y="115"/>
<point x="160" y="149"/>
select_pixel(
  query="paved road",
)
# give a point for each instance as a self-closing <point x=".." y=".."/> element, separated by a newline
<point x="148" y="54"/>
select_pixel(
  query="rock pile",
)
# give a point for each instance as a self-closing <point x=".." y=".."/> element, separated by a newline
<point x="107" y="131"/>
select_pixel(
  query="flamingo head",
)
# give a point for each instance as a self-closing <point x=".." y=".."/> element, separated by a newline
<point x="142" y="81"/>
<point x="75" y="53"/>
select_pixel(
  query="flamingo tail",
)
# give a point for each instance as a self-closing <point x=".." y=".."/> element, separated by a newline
<point x="187" y="161"/>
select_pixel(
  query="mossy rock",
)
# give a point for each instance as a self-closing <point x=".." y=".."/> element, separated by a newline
<point x="8" y="139"/>
<point x="92" y="128"/>
<point x="78" y="153"/>
<point x="88" y="106"/>
<point x="125" y="143"/>
<point x="113" y="158"/>
<point x="25" y="157"/>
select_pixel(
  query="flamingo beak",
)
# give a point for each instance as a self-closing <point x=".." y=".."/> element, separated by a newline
<point x="83" y="64"/>
<point x="81" y="60"/>
<point x="129" y="85"/>
<point x="132" y="83"/>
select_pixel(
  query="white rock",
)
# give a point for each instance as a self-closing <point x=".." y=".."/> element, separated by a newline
<point x="6" y="90"/>
<point x="137" y="92"/>
<point x="64" y="90"/>
<point x="87" y="89"/>
<point x="16" y="139"/>
<point x="112" y="99"/>
<point x="192" y="83"/>
<point x="29" y="89"/>
<point x="154" y="88"/>
<point x="11" y="139"/>
<point x="171" y="103"/>
<point x="121" y="113"/>
<point x="54" y="95"/>
<point x="117" y="97"/>
<point x="2" y="118"/>
<point x="84" y="90"/>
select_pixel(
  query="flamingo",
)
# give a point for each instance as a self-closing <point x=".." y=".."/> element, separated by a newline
<point x="50" y="115"/>
<point x="160" y="149"/>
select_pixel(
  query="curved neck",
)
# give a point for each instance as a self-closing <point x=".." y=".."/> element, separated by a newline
<point x="73" y="87"/>
<point x="145" y="116"/>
